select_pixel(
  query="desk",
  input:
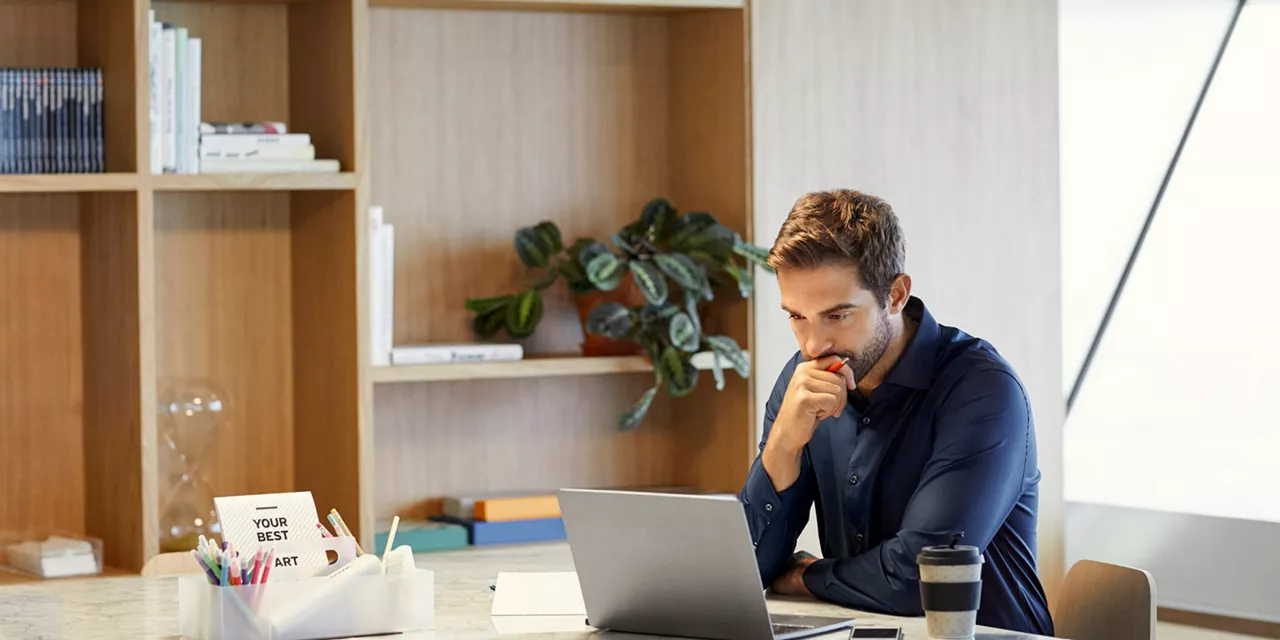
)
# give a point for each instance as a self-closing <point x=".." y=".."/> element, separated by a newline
<point x="132" y="607"/>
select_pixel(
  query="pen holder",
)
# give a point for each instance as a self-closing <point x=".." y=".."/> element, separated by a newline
<point x="309" y="608"/>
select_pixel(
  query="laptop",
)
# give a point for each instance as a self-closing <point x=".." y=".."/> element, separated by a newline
<point x="673" y="565"/>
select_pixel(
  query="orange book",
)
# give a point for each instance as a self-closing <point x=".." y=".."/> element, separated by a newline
<point x="517" y="508"/>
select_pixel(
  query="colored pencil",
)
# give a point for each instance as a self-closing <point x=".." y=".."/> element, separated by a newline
<point x="837" y="366"/>
<point x="346" y="530"/>
<point x="266" y="570"/>
<point x="213" y="579"/>
<point x="324" y="533"/>
<point x="391" y="537"/>
<point x="257" y="567"/>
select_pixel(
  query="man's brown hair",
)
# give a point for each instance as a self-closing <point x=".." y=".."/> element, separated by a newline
<point x="843" y="227"/>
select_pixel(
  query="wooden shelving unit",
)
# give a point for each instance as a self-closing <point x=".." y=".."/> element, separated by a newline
<point x="538" y="367"/>
<point x="118" y="287"/>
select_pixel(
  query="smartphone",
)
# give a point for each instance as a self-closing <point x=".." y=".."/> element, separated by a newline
<point x="894" y="633"/>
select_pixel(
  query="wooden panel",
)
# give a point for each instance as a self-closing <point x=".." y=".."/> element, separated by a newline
<point x="38" y="33"/>
<point x="322" y="36"/>
<point x="253" y="181"/>
<point x="326" y="364"/>
<point x="54" y="183"/>
<point x="484" y="122"/>
<point x="709" y="172"/>
<point x="119" y="418"/>
<point x="245" y="63"/>
<point x="514" y="435"/>
<point x="223" y="317"/>
<point x="592" y="6"/>
<point x="112" y="39"/>
<point x="41" y="397"/>
<point x="948" y="110"/>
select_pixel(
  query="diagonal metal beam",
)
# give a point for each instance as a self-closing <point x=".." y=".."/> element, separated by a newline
<point x="1151" y="214"/>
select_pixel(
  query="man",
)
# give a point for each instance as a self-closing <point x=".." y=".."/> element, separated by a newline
<point x="926" y="431"/>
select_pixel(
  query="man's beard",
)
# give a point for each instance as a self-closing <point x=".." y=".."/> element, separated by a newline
<point x="862" y="362"/>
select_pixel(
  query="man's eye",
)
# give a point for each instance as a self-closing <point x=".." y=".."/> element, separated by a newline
<point x="837" y="317"/>
<point x="795" y="316"/>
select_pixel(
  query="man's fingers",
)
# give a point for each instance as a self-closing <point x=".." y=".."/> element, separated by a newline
<point x="849" y="381"/>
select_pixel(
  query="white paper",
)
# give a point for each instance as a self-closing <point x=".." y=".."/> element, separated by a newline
<point x="271" y="519"/>
<point x="538" y="594"/>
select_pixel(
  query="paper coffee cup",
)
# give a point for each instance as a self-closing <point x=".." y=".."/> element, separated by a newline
<point x="950" y="588"/>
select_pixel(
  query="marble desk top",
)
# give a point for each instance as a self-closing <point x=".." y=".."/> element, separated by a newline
<point x="119" y="608"/>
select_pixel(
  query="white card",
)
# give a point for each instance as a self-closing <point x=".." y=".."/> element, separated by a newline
<point x="268" y="519"/>
<point x="538" y="594"/>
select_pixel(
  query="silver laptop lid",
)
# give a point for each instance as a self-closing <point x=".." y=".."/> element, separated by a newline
<point x="666" y="564"/>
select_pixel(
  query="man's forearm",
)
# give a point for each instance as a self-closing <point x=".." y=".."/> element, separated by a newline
<point x="782" y="463"/>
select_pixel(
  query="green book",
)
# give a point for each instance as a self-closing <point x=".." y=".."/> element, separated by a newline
<point x="425" y="536"/>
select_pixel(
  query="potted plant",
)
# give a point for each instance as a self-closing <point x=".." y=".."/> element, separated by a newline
<point x="643" y="294"/>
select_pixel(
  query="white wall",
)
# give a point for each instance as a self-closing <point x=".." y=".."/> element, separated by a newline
<point x="948" y="110"/>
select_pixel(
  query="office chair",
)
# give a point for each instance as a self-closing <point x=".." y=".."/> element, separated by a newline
<point x="1103" y="601"/>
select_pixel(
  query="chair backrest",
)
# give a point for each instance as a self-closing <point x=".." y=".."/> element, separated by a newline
<point x="1101" y="601"/>
<point x="170" y="564"/>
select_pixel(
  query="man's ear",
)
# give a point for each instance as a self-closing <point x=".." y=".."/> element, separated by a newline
<point x="899" y="293"/>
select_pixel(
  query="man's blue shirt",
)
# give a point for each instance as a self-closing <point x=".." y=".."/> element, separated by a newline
<point x="945" y="444"/>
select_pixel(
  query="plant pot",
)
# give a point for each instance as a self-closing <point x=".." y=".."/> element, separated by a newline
<point x="629" y="295"/>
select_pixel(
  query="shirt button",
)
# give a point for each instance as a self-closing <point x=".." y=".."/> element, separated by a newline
<point x="866" y="419"/>
<point x="768" y="507"/>
<point x="853" y="479"/>
<point x="859" y="538"/>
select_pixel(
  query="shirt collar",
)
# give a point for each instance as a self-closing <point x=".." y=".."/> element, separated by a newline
<point x="915" y="366"/>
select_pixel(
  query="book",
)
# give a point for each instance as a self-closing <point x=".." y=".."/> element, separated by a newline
<point x="424" y="536"/>
<point x="192" y="130"/>
<point x="247" y="141"/>
<point x="480" y="533"/>
<point x="449" y="353"/>
<point x="209" y="128"/>
<point x="381" y="287"/>
<point x="168" y="118"/>
<point x="4" y="121"/>
<point x="153" y="53"/>
<point x="181" y="94"/>
<point x="268" y="152"/>
<point x="99" y="153"/>
<point x="502" y="507"/>
<point x="234" y="165"/>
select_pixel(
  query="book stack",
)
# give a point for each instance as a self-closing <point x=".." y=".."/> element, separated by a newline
<point x="382" y="286"/>
<point x="505" y="519"/>
<point x="181" y="142"/>
<point x="51" y="121"/>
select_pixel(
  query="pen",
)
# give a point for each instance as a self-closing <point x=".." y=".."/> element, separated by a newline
<point x="837" y="366"/>
<point x="323" y="531"/>
<point x="213" y="579"/>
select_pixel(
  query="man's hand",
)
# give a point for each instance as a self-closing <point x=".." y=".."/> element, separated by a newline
<point x="791" y="583"/>
<point x="812" y="395"/>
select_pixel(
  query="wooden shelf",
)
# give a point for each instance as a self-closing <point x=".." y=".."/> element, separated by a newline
<point x="255" y="182"/>
<point x="572" y="6"/>
<point x="68" y="182"/>
<point x="535" y="367"/>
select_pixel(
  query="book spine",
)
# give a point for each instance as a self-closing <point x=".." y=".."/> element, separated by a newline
<point x="287" y="152"/>
<point x="445" y="354"/>
<point x="26" y="123"/>
<point x="180" y="97"/>
<point x="194" y="55"/>
<point x="387" y="334"/>
<point x="156" y="32"/>
<point x="55" y="121"/>
<point x="4" y="121"/>
<point x="247" y="142"/>
<point x="41" y="131"/>
<point x="522" y="508"/>
<point x="210" y="128"/>
<point x="487" y="533"/>
<point x="168" y="147"/>
<point x="378" y="357"/>
<point x="99" y="148"/>
<point x="84" y="106"/>
<point x="77" y="122"/>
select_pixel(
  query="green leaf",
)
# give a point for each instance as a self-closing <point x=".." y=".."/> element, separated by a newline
<point x="524" y="313"/>
<point x="659" y="219"/>
<point x="622" y="244"/>
<point x="679" y="372"/>
<point x="481" y="305"/>
<point x="683" y="333"/>
<point x="632" y="417"/>
<point x="718" y="371"/>
<point x="547" y="279"/>
<point x="682" y="269"/>
<point x="578" y="245"/>
<point x="653" y="314"/>
<point x="605" y="271"/>
<point x="743" y="276"/>
<point x="611" y="320"/>
<point x="650" y="281"/>
<point x="550" y="235"/>
<point x="751" y="252"/>
<point x="590" y="252"/>
<point x="572" y="271"/>
<point x="691" y="308"/>
<point x="726" y="347"/>
<point x="692" y="224"/>
<point x="530" y="247"/>
<point x="713" y="239"/>
<point x="487" y="324"/>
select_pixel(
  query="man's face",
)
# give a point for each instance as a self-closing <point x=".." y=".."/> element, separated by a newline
<point x="832" y="314"/>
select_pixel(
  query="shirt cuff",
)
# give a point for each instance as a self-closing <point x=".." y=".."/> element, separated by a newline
<point x="765" y="502"/>
<point x="817" y="576"/>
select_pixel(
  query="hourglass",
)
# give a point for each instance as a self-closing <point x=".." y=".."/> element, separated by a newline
<point x="190" y="417"/>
